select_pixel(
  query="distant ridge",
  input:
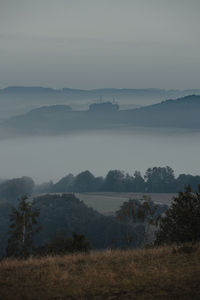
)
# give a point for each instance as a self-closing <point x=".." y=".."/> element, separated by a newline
<point x="18" y="100"/>
<point x="24" y="89"/>
<point x="59" y="119"/>
<point x="182" y="112"/>
<point x="189" y="100"/>
<point x="41" y="89"/>
<point x="50" y="109"/>
<point x="186" y="100"/>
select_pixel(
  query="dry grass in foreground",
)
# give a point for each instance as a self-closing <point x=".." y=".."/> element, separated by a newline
<point x="135" y="274"/>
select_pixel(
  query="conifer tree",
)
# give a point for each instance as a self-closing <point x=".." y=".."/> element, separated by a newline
<point x="181" y="222"/>
<point x="23" y="227"/>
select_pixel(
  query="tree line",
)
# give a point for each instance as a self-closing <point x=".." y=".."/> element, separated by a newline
<point x="155" y="180"/>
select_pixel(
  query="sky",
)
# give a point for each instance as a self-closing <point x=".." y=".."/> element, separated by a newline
<point x="100" y="43"/>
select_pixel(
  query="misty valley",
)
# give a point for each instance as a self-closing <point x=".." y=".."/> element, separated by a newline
<point x="102" y="155"/>
<point x="99" y="178"/>
<point x="99" y="150"/>
<point x="49" y="158"/>
<point x="50" y="140"/>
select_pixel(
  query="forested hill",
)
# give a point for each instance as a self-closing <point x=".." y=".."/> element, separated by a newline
<point x="191" y="101"/>
<point x="17" y="100"/>
<point x="58" y="119"/>
<point x="182" y="112"/>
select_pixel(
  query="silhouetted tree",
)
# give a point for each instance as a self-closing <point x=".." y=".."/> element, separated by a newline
<point x="114" y="181"/>
<point x="84" y="182"/>
<point x="138" y="182"/>
<point x="181" y="222"/>
<point x="141" y="214"/>
<point x="23" y="227"/>
<point x="65" y="184"/>
<point x="185" y="180"/>
<point x="160" y="179"/>
<point x="156" y="180"/>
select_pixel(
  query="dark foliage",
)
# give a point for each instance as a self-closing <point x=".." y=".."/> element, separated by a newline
<point x="86" y="181"/>
<point x="61" y="244"/>
<point x="4" y="226"/>
<point x="11" y="190"/>
<point x="143" y="215"/>
<point x="155" y="180"/>
<point x="66" y="212"/>
<point x="181" y="222"/>
<point x="65" y="185"/>
<point x="23" y="227"/>
<point x="159" y="179"/>
<point x="187" y="179"/>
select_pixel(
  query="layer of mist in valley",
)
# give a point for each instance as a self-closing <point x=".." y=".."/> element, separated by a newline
<point x="50" y="158"/>
<point x="99" y="149"/>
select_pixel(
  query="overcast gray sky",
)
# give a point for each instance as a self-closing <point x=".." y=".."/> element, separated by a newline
<point x="100" y="43"/>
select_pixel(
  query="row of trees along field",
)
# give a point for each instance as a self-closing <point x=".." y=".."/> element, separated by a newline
<point x="155" y="180"/>
<point x="180" y="223"/>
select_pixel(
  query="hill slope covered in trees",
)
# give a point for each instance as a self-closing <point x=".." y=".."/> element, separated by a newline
<point x="180" y="113"/>
<point x="16" y="100"/>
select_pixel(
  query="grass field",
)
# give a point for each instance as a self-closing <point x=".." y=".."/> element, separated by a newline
<point x="134" y="274"/>
<point x="108" y="203"/>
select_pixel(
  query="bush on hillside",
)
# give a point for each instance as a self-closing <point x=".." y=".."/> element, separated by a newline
<point x="61" y="244"/>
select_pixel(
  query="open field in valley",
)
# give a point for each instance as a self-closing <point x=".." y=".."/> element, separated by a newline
<point x="108" y="203"/>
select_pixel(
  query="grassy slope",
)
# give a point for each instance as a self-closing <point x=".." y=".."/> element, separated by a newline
<point x="140" y="274"/>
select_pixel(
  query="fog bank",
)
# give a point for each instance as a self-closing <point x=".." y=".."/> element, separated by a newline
<point x="50" y="158"/>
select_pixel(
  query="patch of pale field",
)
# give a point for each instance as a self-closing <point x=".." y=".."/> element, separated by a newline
<point x="108" y="202"/>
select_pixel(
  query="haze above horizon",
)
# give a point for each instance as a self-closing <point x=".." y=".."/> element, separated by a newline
<point x="92" y="44"/>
